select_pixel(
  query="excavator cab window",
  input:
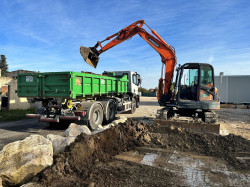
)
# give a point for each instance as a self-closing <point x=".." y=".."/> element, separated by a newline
<point x="189" y="82"/>
<point x="206" y="76"/>
<point x="206" y="82"/>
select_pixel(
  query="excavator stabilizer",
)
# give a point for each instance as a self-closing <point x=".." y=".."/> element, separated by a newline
<point x="89" y="56"/>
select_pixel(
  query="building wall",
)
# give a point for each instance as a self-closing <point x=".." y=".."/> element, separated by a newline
<point x="233" y="89"/>
<point x="4" y="81"/>
<point x="14" y="101"/>
<point x="15" y="73"/>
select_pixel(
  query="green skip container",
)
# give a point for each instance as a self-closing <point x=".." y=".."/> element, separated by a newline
<point x="69" y="85"/>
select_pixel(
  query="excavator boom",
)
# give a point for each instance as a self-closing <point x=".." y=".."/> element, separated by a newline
<point x="91" y="55"/>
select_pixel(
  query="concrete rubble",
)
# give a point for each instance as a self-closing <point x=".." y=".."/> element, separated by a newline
<point x="122" y="119"/>
<point x="59" y="142"/>
<point x="31" y="184"/>
<point x="20" y="161"/>
<point x="74" y="130"/>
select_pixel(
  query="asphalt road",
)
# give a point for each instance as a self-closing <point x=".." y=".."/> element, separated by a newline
<point x="18" y="130"/>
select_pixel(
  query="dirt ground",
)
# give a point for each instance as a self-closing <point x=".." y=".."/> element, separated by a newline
<point x="138" y="154"/>
<point x="235" y="121"/>
<point x="232" y="120"/>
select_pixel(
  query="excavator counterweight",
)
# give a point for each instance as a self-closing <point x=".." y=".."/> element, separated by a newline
<point x="90" y="55"/>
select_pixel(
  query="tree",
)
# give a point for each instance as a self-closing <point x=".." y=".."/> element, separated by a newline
<point x="143" y="90"/>
<point x="3" y="66"/>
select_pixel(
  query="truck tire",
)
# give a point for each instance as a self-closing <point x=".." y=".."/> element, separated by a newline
<point x="110" y="111"/>
<point x="137" y="104"/>
<point x="95" y="116"/>
<point x="133" y="107"/>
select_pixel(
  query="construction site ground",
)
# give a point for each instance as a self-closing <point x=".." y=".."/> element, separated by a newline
<point x="232" y="120"/>
<point x="140" y="153"/>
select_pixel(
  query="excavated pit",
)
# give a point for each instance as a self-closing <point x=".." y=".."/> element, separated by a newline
<point x="93" y="160"/>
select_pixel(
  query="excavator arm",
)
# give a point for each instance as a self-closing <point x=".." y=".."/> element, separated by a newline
<point x="168" y="58"/>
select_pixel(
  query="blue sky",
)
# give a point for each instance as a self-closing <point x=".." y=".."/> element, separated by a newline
<point x="45" y="35"/>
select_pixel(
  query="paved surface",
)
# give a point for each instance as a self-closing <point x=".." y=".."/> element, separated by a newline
<point x="18" y="130"/>
<point x="148" y="108"/>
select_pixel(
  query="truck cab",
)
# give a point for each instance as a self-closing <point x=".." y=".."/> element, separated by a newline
<point x="133" y="84"/>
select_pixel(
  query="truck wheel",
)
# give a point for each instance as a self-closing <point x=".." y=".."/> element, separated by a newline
<point x="133" y="107"/>
<point x="111" y="111"/>
<point x="137" y="104"/>
<point x="95" y="116"/>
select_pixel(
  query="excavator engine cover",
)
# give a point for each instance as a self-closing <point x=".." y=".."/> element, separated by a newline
<point x="90" y="55"/>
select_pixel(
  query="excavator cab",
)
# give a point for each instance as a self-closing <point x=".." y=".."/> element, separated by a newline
<point x="195" y="88"/>
<point x="194" y="97"/>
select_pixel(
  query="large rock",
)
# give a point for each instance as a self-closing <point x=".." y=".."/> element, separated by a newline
<point x="122" y="119"/>
<point x="59" y="143"/>
<point x="75" y="130"/>
<point x="1" y="185"/>
<point x="20" y="161"/>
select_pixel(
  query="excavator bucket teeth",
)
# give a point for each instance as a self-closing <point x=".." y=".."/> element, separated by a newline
<point x="89" y="56"/>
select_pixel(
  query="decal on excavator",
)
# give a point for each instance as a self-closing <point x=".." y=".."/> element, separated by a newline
<point x="153" y="42"/>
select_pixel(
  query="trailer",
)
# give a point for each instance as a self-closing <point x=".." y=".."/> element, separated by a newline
<point x="80" y="97"/>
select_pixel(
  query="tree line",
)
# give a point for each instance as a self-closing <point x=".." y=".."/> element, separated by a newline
<point x="3" y="66"/>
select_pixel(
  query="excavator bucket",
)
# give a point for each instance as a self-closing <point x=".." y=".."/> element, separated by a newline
<point x="89" y="56"/>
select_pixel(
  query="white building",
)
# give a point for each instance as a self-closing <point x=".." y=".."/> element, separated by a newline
<point x="233" y="88"/>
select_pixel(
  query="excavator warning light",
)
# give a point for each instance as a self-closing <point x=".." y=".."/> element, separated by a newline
<point x="89" y="55"/>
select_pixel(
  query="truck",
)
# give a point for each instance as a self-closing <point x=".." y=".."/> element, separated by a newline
<point x="83" y="98"/>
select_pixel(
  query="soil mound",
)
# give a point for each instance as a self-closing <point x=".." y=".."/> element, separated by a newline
<point x="227" y="147"/>
<point x="75" y="165"/>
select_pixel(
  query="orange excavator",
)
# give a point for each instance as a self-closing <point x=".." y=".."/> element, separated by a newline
<point x="193" y="96"/>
